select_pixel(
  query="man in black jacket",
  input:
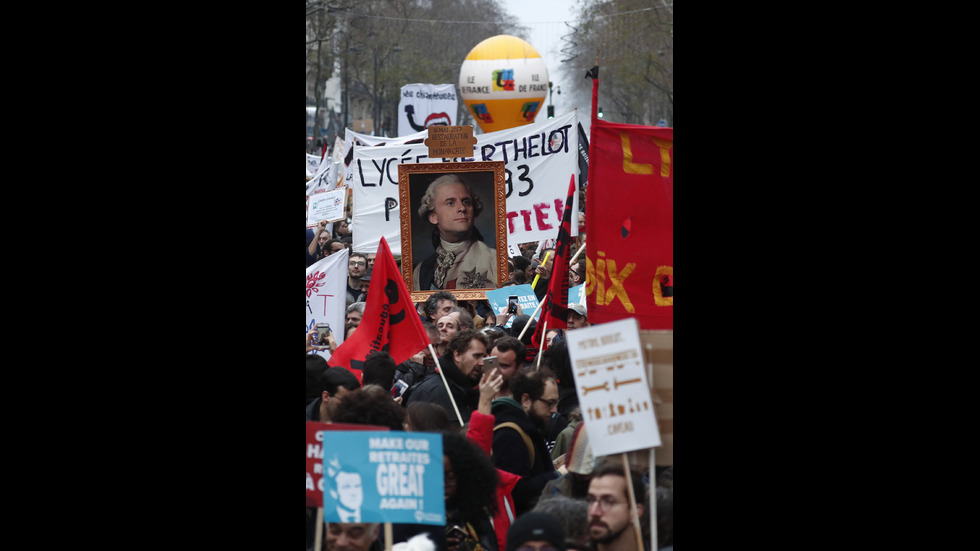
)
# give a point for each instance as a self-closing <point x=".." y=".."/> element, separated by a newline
<point x="524" y="452"/>
<point x="462" y="364"/>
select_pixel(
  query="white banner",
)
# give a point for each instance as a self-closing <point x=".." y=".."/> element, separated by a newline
<point x="326" y="295"/>
<point x="326" y="179"/>
<point x="539" y="159"/>
<point x="312" y="165"/>
<point x="423" y="105"/>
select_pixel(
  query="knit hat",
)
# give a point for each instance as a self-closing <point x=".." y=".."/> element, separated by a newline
<point x="535" y="526"/>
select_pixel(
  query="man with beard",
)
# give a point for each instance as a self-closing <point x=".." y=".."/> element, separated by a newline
<point x="462" y="364"/>
<point x="610" y="515"/>
<point x="519" y="446"/>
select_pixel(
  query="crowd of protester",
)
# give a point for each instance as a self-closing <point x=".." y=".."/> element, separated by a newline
<point x="519" y="473"/>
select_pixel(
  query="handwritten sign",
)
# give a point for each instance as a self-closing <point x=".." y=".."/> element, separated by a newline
<point x="327" y="206"/>
<point x="450" y="141"/>
<point x="611" y="381"/>
<point x="383" y="477"/>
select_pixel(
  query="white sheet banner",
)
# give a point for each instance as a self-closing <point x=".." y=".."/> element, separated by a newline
<point x="539" y="160"/>
<point x="312" y="165"/>
<point x="326" y="295"/>
<point x="423" y="105"/>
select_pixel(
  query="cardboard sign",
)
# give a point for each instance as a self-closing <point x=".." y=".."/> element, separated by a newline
<point x="327" y="206"/>
<point x="658" y="353"/>
<point x="450" y="141"/>
<point x="383" y="477"/>
<point x="611" y="381"/>
<point x="314" y="456"/>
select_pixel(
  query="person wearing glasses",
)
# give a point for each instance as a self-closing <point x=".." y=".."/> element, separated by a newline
<point x="356" y="269"/>
<point x="610" y="514"/>
<point x="520" y="421"/>
<point x="461" y="259"/>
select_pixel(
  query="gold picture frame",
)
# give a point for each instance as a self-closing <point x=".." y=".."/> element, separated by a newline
<point x="488" y="181"/>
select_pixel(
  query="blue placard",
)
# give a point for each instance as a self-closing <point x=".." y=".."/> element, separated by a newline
<point x="525" y="298"/>
<point x="373" y="476"/>
<point x="575" y="293"/>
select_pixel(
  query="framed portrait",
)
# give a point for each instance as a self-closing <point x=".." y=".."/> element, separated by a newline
<point x="453" y="228"/>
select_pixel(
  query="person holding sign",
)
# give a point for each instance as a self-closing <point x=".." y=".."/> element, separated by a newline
<point x="462" y="260"/>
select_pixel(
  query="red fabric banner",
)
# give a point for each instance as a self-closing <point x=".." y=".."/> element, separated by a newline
<point x="554" y="313"/>
<point x="630" y="209"/>
<point x="390" y="321"/>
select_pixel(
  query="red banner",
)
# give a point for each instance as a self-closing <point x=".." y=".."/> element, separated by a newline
<point x="630" y="209"/>
<point x="390" y="321"/>
<point x="314" y="456"/>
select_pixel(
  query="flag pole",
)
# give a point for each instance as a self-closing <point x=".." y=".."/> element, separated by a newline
<point x="318" y="540"/>
<point x="636" y="517"/>
<point x="538" y="276"/>
<point x="540" y="304"/>
<point x="446" y="384"/>
<point x="544" y="331"/>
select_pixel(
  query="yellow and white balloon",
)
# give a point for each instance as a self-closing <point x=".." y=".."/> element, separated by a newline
<point x="503" y="82"/>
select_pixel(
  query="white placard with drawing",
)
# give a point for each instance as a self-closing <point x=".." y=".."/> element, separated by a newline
<point x="612" y="387"/>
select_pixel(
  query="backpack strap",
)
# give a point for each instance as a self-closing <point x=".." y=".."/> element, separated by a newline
<point x="524" y="436"/>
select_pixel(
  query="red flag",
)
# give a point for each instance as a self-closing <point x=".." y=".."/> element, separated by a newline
<point x="554" y="313"/>
<point x="390" y="321"/>
<point x="630" y="200"/>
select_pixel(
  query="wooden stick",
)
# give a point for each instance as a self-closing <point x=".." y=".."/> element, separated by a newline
<point x="636" y="517"/>
<point x="446" y="383"/>
<point x="653" y="499"/>
<point x="544" y="331"/>
<point x="388" y="536"/>
<point x="318" y="541"/>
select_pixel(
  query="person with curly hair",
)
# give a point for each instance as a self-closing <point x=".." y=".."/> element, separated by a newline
<point x="370" y="405"/>
<point x="470" y="486"/>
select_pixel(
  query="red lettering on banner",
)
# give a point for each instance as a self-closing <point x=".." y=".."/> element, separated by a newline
<point x="510" y="221"/>
<point x="542" y="216"/>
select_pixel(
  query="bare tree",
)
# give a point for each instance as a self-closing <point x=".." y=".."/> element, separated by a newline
<point x="632" y="43"/>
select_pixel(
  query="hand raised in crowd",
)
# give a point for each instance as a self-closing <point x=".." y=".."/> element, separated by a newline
<point x="503" y="316"/>
<point x="310" y="335"/>
<point x="490" y="384"/>
<point x="321" y="226"/>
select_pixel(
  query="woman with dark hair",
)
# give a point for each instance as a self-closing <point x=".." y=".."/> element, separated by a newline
<point x="462" y="260"/>
<point x="427" y="417"/>
<point x="470" y="482"/>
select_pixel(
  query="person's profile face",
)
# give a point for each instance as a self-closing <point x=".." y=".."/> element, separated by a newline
<point x="470" y="362"/>
<point x="453" y="209"/>
<point x="445" y="307"/>
<point x="349" y="490"/>
<point x="507" y="363"/>
<point x="336" y="247"/>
